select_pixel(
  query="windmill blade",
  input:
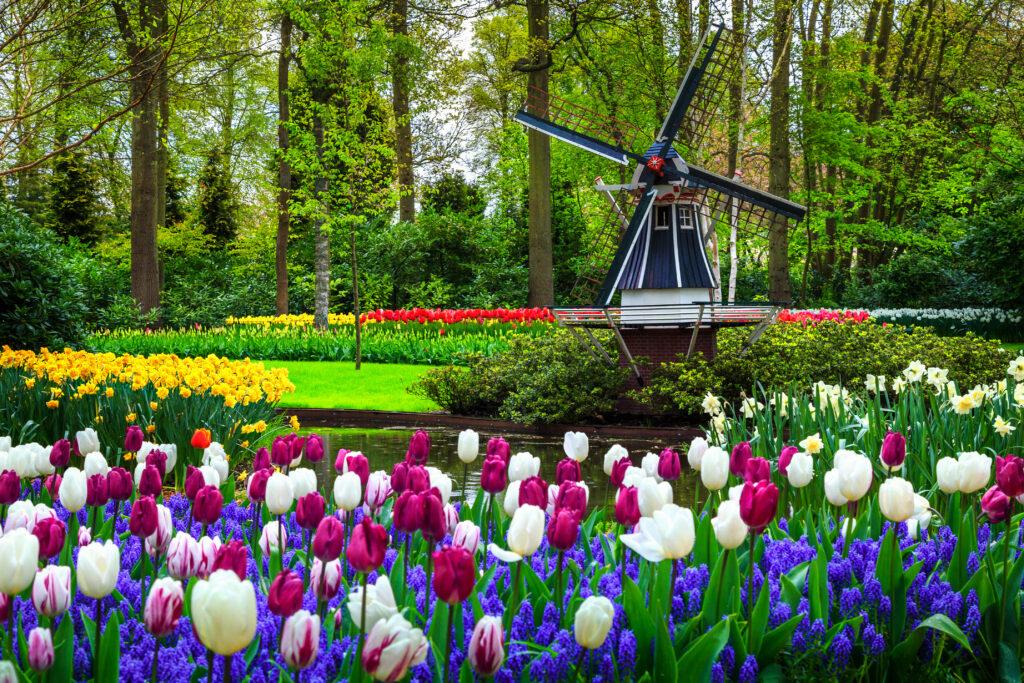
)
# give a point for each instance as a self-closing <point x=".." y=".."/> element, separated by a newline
<point x="628" y="244"/>
<point x="602" y="135"/>
<point x="616" y="154"/>
<point x="601" y="247"/>
<point x="745" y="194"/>
<point x="703" y="60"/>
<point x="711" y="92"/>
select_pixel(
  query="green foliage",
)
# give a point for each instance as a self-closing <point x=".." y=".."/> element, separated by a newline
<point x="992" y="247"/>
<point x="43" y="301"/>
<point x="788" y="354"/>
<point x="539" y="379"/>
<point x="74" y="199"/>
<point x="217" y="205"/>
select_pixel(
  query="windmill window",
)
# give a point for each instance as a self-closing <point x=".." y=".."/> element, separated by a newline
<point x="685" y="218"/>
<point x="662" y="217"/>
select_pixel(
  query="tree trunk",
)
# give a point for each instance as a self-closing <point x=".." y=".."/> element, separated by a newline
<point x="736" y="120"/>
<point x="322" y="265"/>
<point x="778" y="155"/>
<point x="684" y="28"/>
<point x="284" y="171"/>
<point x="144" y="58"/>
<point x="541" y="276"/>
<point x="403" y="117"/>
<point x="355" y="297"/>
<point x="163" y="95"/>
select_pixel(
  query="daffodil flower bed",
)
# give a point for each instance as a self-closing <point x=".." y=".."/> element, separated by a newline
<point x="821" y="560"/>
<point x="45" y="394"/>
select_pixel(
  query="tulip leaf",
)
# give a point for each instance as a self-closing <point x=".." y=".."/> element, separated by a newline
<point x="1009" y="663"/>
<point x="792" y="584"/>
<point x="397" y="576"/>
<point x="705" y="549"/>
<point x="722" y="594"/>
<point x="664" y="654"/>
<point x="227" y="488"/>
<point x="700" y="656"/>
<point x="906" y="652"/>
<point x="778" y="638"/>
<point x="254" y="646"/>
<point x="63" y="652"/>
<point x="535" y="588"/>
<point x="759" y="619"/>
<point x="1011" y="617"/>
<point x="465" y="672"/>
<point x="640" y="620"/>
<point x="956" y="574"/>
<point x="817" y="589"/>
<point x="110" y="655"/>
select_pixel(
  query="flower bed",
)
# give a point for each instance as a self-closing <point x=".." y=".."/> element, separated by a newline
<point x="848" y="554"/>
<point x="823" y="315"/>
<point x="44" y="395"/>
<point x="996" y="323"/>
<point x="422" y="316"/>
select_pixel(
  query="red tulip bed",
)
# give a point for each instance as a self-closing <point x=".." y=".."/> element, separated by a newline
<point x="394" y="575"/>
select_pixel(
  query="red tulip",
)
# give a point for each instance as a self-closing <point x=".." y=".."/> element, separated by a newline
<point x="563" y="529"/>
<point x="493" y="476"/>
<point x="314" y="448"/>
<point x="51" y="532"/>
<point x="572" y="496"/>
<point x="434" y="525"/>
<point x="328" y="539"/>
<point x="498" y="447"/>
<point x="163" y="608"/>
<point x="894" y="449"/>
<point x="257" y="489"/>
<point x="1010" y="475"/>
<point x="52" y="485"/>
<point x="668" y="465"/>
<point x="619" y="468"/>
<point x="280" y="453"/>
<point x="399" y="475"/>
<point x="150" y="483"/>
<point x="419" y="448"/>
<point x="60" y="453"/>
<point x="261" y="460"/>
<point x="786" y="457"/>
<point x="366" y="549"/>
<point x="568" y="470"/>
<point x="997" y="505"/>
<point x="284" y="598"/>
<point x="10" y="487"/>
<point x="309" y="510"/>
<point x="533" y="491"/>
<point x="144" y="517"/>
<point x="454" y="574"/>
<point x="133" y="438"/>
<point x="339" y="460"/>
<point x="741" y="453"/>
<point x="201" y="439"/>
<point x="296" y="446"/>
<point x="408" y="512"/>
<point x="119" y="484"/>
<point x="96" y="493"/>
<point x="627" y="506"/>
<point x="758" y="504"/>
<point x="758" y="469"/>
<point x="357" y="462"/>
<point x="207" y="505"/>
<point x="193" y="482"/>
<point x="419" y="479"/>
<point x="233" y="555"/>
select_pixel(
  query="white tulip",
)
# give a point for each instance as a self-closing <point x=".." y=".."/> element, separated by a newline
<point x="303" y="481"/>
<point x="88" y="441"/>
<point x="272" y="534"/>
<point x="72" y="491"/>
<point x="19" y="557"/>
<point x="21" y="514"/>
<point x="280" y="494"/>
<point x="394" y="645"/>
<point x="653" y="495"/>
<point x="614" y="454"/>
<point x="523" y="466"/>
<point x="975" y="471"/>
<point x="921" y="518"/>
<point x="593" y="621"/>
<point x="95" y="463"/>
<point x="5" y="444"/>
<point x="633" y="476"/>
<point x="469" y="446"/>
<point x="442" y="482"/>
<point x="525" y="533"/>
<point x="714" y="468"/>
<point x="380" y="603"/>
<point x="224" y="612"/>
<point x="833" y="490"/>
<point x="466" y="535"/>
<point x="801" y="470"/>
<point x="211" y="475"/>
<point x="668" y="534"/>
<point x="213" y="451"/>
<point x="576" y="446"/>
<point x="168" y="449"/>
<point x="221" y="467"/>
<point x="98" y="567"/>
<point x="649" y="465"/>
<point x="855" y="473"/>
<point x="22" y="459"/>
<point x="698" y="447"/>
<point x="42" y="465"/>
<point x="947" y="474"/>
<point x="347" y="491"/>
<point x="896" y="499"/>
<point x="730" y="531"/>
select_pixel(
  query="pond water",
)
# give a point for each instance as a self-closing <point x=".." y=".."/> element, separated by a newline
<point x="385" y="447"/>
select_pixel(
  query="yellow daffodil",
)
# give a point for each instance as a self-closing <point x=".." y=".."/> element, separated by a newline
<point x="1002" y="427"/>
<point x="812" y="444"/>
<point x="52" y="403"/>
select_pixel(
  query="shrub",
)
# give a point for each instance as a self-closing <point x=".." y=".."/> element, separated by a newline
<point x="828" y="352"/>
<point x="43" y="303"/>
<point x="538" y="379"/>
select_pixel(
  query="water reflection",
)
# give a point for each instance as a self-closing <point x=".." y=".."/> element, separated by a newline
<point x="384" y="447"/>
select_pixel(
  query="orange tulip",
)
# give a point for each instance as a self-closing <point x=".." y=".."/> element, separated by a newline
<point x="201" y="438"/>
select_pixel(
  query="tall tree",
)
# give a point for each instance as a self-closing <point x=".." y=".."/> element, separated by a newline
<point x="284" y="170"/>
<point x="400" y="87"/>
<point x="541" y="279"/>
<point x="778" y="154"/>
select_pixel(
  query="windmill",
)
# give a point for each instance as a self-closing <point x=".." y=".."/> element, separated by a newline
<point x="653" y="248"/>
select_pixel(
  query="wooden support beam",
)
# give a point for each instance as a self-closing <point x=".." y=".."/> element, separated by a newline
<point x="696" y="331"/>
<point x="625" y="349"/>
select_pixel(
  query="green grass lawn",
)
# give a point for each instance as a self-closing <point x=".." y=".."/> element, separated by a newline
<point x="377" y="386"/>
<point x="1014" y="346"/>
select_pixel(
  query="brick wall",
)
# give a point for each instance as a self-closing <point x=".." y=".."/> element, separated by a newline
<point x="664" y="345"/>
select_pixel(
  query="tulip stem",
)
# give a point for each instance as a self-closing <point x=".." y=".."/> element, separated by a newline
<point x="156" y="653"/>
<point x="1006" y="573"/>
<point x="560" y="594"/>
<point x="362" y="626"/>
<point x="405" y="557"/>
<point x="448" y="646"/>
<point x="671" y="587"/>
<point x="465" y="476"/>
<point x="750" y="591"/>
<point x="99" y="632"/>
<point x="209" y="666"/>
<point x="227" y="668"/>
<point x="513" y="606"/>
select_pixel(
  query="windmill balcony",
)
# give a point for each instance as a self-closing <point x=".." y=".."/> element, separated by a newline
<point x="667" y="315"/>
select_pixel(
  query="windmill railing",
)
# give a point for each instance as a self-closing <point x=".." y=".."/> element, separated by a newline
<point x="672" y="315"/>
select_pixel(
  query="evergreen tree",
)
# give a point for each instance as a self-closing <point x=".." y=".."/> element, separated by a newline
<point x="74" y="209"/>
<point x="177" y="207"/>
<point x="217" y="205"/>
